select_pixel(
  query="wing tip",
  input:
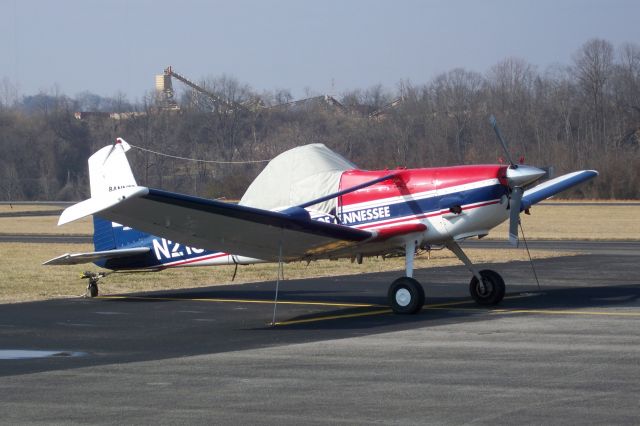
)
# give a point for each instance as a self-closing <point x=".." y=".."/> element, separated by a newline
<point x="57" y="260"/>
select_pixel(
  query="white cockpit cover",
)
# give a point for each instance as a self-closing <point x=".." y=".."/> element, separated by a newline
<point x="298" y="175"/>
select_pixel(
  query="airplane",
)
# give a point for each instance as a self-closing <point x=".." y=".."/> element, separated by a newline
<point x="310" y="203"/>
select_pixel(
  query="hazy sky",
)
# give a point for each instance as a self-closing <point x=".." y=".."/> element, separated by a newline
<point x="119" y="45"/>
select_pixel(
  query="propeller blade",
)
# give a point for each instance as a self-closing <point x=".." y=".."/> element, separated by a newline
<point x="494" y="124"/>
<point x="514" y="214"/>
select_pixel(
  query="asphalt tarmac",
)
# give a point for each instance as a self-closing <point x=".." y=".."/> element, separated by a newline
<point x="567" y="352"/>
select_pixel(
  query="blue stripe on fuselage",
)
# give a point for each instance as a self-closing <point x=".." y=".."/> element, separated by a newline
<point x="162" y="252"/>
<point x="411" y="207"/>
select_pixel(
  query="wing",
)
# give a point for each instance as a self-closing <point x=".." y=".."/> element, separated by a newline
<point x="77" y="258"/>
<point x="554" y="186"/>
<point x="220" y="226"/>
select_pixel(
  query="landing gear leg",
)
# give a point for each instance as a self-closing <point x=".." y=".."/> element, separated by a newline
<point x="486" y="287"/>
<point x="406" y="295"/>
<point x="93" y="277"/>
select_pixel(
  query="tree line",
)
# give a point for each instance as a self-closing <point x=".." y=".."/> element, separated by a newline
<point x="583" y="115"/>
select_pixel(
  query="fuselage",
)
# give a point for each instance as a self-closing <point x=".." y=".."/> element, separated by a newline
<point x="452" y="202"/>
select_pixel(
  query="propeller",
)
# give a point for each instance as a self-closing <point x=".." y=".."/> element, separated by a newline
<point x="494" y="124"/>
<point x="518" y="176"/>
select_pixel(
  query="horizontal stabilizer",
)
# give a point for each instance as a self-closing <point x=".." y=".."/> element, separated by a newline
<point x="555" y="186"/>
<point x="77" y="258"/>
<point x="99" y="203"/>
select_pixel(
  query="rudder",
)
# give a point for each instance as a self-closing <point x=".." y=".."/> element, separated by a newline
<point x="109" y="235"/>
<point x="103" y="238"/>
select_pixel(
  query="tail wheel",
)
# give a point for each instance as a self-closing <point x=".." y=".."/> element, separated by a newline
<point x="406" y="296"/>
<point x="92" y="288"/>
<point x="491" y="291"/>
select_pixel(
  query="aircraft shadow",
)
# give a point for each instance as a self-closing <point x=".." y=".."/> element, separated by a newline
<point x="165" y="331"/>
<point x="440" y="310"/>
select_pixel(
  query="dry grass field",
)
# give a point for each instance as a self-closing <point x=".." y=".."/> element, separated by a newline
<point x="22" y="277"/>
<point x="15" y="208"/>
<point x="47" y="225"/>
<point x="567" y="222"/>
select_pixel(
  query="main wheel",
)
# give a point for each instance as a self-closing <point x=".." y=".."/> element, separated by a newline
<point x="92" y="289"/>
<point x="492" y="292"/>
<point x="406" y="296"/>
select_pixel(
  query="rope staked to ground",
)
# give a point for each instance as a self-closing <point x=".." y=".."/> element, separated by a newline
<point x="535" y="274"/>
<point x="280" y="274"/>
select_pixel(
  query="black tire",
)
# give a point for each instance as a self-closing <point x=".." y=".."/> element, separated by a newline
<point x="406" y="296"/>
<point x="92" y="289"/>
<point x="494" y="288"/>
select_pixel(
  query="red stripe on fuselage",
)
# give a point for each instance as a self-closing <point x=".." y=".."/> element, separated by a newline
<point x="413" y="181"/>
<point x="403" y="229"/>
<point x="197" y="259"/>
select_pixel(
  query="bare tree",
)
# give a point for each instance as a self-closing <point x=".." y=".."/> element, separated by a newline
<point x="586" y="115"/>
<point x="457" y="96"/>
<point x="628" y="77"/>
<point x="512" y="80"/>
<point x="8" y="93"/>
<point x="593" y="66"/>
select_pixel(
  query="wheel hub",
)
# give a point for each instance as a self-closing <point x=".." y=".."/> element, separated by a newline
<point x="484" y="287"/>
<point x="403" y="297"/>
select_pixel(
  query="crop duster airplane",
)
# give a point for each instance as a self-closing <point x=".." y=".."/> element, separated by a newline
<point x="310" y="203"/>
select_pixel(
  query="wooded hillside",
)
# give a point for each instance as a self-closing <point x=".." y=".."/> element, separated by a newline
<point x="585" y="115"/>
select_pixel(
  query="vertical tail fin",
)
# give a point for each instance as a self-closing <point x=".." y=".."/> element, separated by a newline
<point x="109" y="169"/>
